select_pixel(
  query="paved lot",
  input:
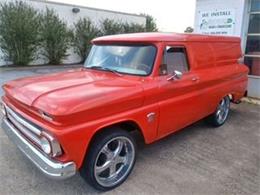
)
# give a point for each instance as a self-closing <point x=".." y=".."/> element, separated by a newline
<point x="197" y="160"/>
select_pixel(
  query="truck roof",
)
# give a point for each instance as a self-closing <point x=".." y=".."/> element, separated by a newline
<point x="167" y="37"/>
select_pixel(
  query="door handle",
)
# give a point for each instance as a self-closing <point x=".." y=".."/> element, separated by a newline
<point x="195" y="79"/>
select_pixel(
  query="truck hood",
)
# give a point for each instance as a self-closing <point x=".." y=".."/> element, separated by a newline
<point x="77" y="91"/>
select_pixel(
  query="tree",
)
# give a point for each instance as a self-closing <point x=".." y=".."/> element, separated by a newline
<point x="55" y="37"/>
<point x="189" y="30"/>
<point x="19" y="32"/>
<point x="84" y="32"/>
<point x="110" y="27"/>
<point x="133" y="28"/>
<point x="150" y="25"/>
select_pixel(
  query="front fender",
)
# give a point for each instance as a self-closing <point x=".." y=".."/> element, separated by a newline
<point x="76" y="140"/>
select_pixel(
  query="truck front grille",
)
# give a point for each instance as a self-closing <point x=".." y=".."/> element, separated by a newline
<point x="29" y="130"/>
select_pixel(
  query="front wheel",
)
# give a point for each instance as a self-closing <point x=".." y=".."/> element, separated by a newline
<point x="220" y="116"/>
<point x="110" y="159"/>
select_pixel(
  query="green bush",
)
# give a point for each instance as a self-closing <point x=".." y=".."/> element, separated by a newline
<point x="84" y="32"/>
<point x="55" y="37"/>
<point x="132" y="28"/>
<point x="24" y="32"/>
<point x="110" y="27"/>
<point x="19" y="30"/>
<point x="150" y="23"/>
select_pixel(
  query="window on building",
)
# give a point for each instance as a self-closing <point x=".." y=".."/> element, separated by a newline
<point x="255" y="6"/>
<point x="252" y="53"/>
<point x="176" y="59"/>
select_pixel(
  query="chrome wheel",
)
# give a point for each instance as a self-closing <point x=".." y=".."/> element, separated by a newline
<point x="223" y="110"/>
<point x="114" y="161"/>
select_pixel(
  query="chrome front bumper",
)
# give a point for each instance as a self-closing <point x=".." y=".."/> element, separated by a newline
<point x="48" y="166"/>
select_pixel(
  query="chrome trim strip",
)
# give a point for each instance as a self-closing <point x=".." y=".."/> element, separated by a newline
<point x="50" y="167"/>
<point x="3" y="107"/>
<point x="251" y="55"/>
<point x="150" y="117"/>
<point x="23" y="122"/>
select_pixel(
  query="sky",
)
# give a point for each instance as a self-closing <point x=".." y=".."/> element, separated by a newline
<point x="170" y="15"/>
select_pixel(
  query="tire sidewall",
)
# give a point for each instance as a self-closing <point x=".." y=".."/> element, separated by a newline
<point x="217" y="123"/>
<point x="87" y="170"/>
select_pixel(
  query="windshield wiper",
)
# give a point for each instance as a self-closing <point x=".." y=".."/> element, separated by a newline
<point x="107" y="69"/>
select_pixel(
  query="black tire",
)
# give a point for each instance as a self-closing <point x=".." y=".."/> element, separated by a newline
<point x="87" y="170"/>
<point x="213" y="119"/>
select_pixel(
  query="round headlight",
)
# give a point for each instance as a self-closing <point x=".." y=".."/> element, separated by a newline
<point x="3" y="109"/>
<point x="45" y="145"/>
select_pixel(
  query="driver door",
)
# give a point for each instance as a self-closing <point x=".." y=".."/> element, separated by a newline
<point x="179" y="99"/>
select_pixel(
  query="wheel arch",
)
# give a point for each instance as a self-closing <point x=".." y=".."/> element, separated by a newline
<point x="235" y="97"/>
<point x="128" y="125"/>
<point x="231" y="96"/>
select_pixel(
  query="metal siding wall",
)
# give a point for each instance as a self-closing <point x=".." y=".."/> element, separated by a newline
<point x="253" y="86"/>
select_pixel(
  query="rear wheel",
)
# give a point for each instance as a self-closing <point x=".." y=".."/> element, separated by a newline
<point x="110" y="159"/>
<point x="220" y="116"/>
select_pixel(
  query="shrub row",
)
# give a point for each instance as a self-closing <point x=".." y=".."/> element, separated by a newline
<point x="26" y="33"/>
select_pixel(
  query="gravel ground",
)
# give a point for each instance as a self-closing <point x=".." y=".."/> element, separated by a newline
<point x="197" y="160"/>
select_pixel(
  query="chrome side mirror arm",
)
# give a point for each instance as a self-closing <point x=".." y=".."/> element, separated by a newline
<point x="176" y="75"/>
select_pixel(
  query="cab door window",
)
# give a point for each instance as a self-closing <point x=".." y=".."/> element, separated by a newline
<point x="175" y="58"/>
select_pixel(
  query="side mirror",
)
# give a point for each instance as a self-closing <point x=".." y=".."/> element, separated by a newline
<point x="176" y="75"/>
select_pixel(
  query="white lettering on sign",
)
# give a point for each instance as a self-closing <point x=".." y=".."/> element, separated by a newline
<point x="216" y="22"/>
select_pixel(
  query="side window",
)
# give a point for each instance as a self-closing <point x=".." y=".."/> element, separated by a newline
<point x="175" y="58"/>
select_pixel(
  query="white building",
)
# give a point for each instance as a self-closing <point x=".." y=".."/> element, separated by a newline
<point x="71" y="15"/>
<point x="239" y="18"/>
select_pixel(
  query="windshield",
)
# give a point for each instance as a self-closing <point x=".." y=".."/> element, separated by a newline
<point x="128" y="59"/>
